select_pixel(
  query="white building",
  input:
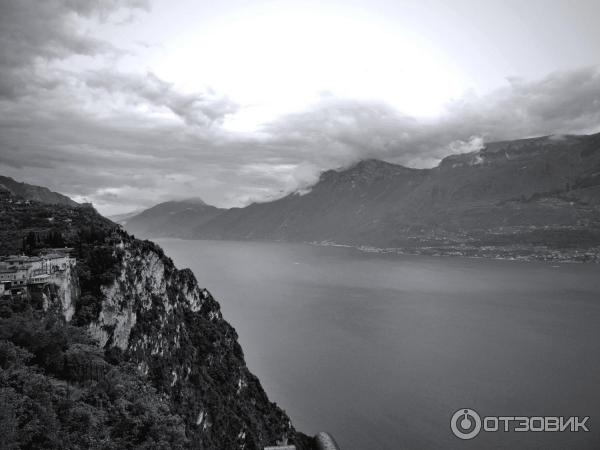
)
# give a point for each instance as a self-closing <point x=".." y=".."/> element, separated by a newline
<point x="17" y="272"/>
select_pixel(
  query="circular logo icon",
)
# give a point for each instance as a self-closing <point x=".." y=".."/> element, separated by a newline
<point x="465" y="423"/>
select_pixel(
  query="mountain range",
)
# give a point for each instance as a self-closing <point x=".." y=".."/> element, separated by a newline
<point x="537" y="192"/>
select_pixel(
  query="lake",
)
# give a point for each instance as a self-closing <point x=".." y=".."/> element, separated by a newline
<point x="381" y="350"/>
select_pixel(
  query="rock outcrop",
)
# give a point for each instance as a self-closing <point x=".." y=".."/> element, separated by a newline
<point x="60" y="293"/>
<point x="159" y="318"/>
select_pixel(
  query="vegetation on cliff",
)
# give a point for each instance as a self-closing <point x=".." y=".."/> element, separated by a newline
<point x="59" y="390"/>
<point x="146" y="361"/>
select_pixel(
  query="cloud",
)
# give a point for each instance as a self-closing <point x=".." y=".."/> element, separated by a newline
<point x="195" y="109"/>
<point x="125" y="140"/>
<point x="33" y="33"/>
<point x="341" y="131"/>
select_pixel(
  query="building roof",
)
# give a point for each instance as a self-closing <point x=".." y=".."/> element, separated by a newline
<point x="17" y="258"/>
<point x="59" y="250"/>
<point x="55" y="256"/>
<point x="13" y="259"/>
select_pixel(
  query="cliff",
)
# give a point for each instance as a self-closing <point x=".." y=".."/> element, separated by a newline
<point x="61" y="292"/>
<point x="151" y="326"/>
<point x="160" y="319"/>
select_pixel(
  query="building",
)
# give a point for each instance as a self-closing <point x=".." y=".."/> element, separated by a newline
<point x="14" y="279"/>
<point x="18" y="272"/>
<point x="15" y="275"/>
<point x="16" y="260"/>
<point x="57" y="258"/>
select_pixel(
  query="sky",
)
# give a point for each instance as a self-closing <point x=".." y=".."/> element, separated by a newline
<point x="129" y="103"/>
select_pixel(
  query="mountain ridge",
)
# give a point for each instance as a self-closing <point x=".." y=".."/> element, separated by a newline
<point x="36" y="193"/>
<point x="536" y="197"/>
<point x="175" y="218"/>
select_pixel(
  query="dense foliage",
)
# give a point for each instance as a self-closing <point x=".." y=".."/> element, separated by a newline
<point x="59" y="391"/>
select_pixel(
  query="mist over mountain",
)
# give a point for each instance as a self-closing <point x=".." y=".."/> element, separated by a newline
<point x="534" y="192"/>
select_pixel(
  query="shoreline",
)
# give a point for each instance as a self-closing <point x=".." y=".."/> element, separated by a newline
<point x="567" y="256"/>
<point x="516" y="253"/>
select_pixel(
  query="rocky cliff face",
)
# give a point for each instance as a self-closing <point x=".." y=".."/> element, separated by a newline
<point x="67" y="284"/>
<point x="60" y="293"/>
<point x="190" y="387"/>
<point x="159" y="318"/>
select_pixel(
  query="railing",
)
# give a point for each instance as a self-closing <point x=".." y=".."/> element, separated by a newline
<point x="323" y="441"/>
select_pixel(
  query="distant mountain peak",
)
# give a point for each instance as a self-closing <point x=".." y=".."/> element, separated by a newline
<point x="174" y="218"/>
<point x="193" y="201"/>
<point x="372" y="163"/>
<point x="366" y="169"/>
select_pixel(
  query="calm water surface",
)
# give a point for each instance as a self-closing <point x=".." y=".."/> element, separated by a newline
<point x="380" y="350"/>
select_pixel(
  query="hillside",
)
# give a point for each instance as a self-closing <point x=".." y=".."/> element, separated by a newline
<point x="144" y="359"/>
<point x="171" y="219"/>
<point x="535" y="197"/>
<point x="35" y="193"/>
